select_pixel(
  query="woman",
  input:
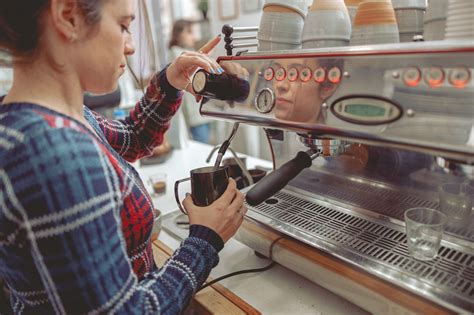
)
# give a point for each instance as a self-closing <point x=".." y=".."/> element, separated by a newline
<point x="75" y="218"/>
<point x="183" y="39"/>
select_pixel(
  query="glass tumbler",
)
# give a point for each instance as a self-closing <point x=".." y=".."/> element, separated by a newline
<point x="158" y="183"/>
<point x="455" y="200"/>
<point x="424" y="227"/>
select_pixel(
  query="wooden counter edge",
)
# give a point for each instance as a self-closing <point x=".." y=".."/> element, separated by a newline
<point x="219" y="288"/>
<point x="390" y="291"/>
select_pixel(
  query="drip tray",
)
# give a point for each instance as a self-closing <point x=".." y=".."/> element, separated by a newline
<point x="176" y="224"/>
<point x="377" y="247"/>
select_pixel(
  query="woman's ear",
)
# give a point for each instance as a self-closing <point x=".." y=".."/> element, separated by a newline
<point x="327" y="89"/>
<point x="66" y="18"/>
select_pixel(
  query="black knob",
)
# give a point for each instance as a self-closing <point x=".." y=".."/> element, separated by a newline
<point x="220" y="86"/>
<point x="227" y="29"/>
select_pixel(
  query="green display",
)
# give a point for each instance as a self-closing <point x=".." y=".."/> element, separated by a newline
<point x="365" y="110"/>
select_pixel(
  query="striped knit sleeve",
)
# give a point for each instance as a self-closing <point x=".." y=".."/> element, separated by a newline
<point x="135" y="136"/>
<point x="71" y="216"/>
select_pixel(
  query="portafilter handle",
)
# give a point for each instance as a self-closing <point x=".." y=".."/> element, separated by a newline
<point x="276" y="180"/>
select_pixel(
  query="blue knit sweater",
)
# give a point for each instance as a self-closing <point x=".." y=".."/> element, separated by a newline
<point x="75" y="219"/>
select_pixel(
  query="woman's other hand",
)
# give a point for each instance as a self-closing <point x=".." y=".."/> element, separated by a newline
<point x="224" y="216"/>
<point x="181" y="70"/>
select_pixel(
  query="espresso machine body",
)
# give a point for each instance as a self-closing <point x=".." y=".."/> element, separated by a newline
<point x="392" y="124"/>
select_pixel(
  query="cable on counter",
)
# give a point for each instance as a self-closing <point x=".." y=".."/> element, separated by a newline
<point x="240" y="272"/>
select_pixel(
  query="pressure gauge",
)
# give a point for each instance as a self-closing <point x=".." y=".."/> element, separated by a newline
<point x="265" y="100"/>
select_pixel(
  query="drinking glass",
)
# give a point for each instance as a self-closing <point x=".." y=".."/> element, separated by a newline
<point x="455" y="201"/>
<point x="158" y="183"/>
<point x="424" y="227"/>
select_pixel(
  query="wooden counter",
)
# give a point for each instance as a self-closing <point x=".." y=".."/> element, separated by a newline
<point x="215" y="299"/>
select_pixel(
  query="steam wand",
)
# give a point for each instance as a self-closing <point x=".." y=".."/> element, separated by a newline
<point x="225" y="145"/>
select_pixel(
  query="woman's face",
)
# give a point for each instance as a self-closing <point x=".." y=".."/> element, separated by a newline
<point x="187" y="38"/>
<point x="296" y="101"/>
<point x="100" y="58"/>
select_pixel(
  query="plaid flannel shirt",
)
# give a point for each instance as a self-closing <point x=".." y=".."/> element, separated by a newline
<point x="75" y="218"/>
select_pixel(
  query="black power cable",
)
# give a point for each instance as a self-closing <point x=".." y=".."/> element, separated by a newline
<point x="240" y="272"/>
<point x="236" y="274"/>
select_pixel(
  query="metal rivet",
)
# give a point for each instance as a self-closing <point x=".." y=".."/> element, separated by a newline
<point x="410" y="112"/>
<point x="324" y="105"/>
<point x="347" y="74"/>
<point x="395" y="75"/>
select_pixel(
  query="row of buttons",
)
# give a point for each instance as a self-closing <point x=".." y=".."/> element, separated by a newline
<point x="435" y="76"/>
<point x="319" y="75"/>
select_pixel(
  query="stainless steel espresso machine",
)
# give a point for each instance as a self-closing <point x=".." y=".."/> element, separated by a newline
<point x="358" y="136"/>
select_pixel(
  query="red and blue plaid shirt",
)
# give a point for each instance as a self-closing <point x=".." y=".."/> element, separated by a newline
<point x="75" y="218"/>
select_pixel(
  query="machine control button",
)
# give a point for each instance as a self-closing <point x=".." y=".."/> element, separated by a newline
<point x="305" y="74"/>
<point x="459" y="77"/>
<point x="319" y="75"/>
<point x="334" y="75"/>
<point x="280" y="74"/>
<point x="265" y="100"/>
<point x="434" y="76"/>
<point x="293" y="74"/>
<point x="412" y="76"/>
<point x="269" y="74"/>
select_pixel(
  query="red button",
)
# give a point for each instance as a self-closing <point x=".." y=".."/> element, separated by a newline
<point x="459" y="77"/>
<point x="319" y="75"/>
<point x="412" y="76"/>
<point x="269" y="74"/>
<point x="305" y="74"/>
<point x="334" y="75"/>
<point x="434" y="76"/>
<point x="280" y="74"/>
<point x="293" y="75"/>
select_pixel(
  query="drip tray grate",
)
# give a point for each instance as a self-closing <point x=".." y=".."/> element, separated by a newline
<point x="382" y="248"/>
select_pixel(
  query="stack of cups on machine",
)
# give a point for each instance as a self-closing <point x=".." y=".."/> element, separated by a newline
<point x="327" y="25"/>
<point x="435" y="20"/>
<point x="409" y="14"/>
<point x="375" y="23"/>
<point x="459" y="24"/>
<point x="352" y="6"/>
<point x="281" y="24"/>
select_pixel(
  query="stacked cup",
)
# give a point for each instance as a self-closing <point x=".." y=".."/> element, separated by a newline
<point x="375" y="23"/>
<point x="281" y="24"/>
<point x="352" y="6"/>
<point x="327" y="25"/>
<point x="459" y="24"/>
<point x="409" y="15"/>
<point x="435" y="20"/>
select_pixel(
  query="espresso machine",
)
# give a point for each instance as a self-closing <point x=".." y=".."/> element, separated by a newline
<point x="358" y="135"/>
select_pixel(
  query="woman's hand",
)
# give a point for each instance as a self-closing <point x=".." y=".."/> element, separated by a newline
<point x="224" y="216"/>
<point x="181" y="70"/>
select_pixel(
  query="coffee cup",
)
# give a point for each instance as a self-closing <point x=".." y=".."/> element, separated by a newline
<point x="327" y="25"/>
<point x="375" y="23"/>
<point x="280" y="29"/>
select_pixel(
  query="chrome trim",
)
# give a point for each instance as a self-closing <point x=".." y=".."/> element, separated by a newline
<point x="423" y="286"/>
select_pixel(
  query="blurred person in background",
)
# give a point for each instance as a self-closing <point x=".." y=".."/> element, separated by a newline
<point x="183" y="39"/>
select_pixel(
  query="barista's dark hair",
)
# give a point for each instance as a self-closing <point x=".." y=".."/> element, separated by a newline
<point x="21" y="22"/>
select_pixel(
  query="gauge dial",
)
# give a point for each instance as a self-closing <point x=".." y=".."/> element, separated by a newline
<point x="199" y="81"/>
<point x="265" y="100"/>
